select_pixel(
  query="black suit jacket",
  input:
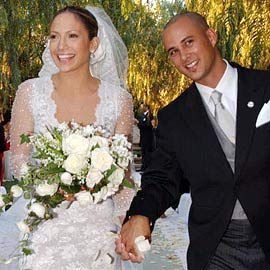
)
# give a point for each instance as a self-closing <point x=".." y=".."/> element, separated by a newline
<point x="188" y="149"/>
<point x="146" y="129"/>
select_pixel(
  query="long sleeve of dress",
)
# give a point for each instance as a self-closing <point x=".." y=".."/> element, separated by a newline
<point x="124" y="125"/>
<point x="21" y="123"/>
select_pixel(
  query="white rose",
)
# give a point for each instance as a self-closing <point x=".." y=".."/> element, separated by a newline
<point x="117" y="177"/>
<point x="16" y="191"/>
<point x="93" y="177"/>
<point x="104" y="193"/>
<point x="107" y="191"/>
<point x="23" y="227"/>
<point x="102" y="142"/>
<point x="38" y="209"/>
<point x="74" y="163"/>
<point x="76" y="144"/>
<point x="142" y="245"/>
<point x="111" y="189"/>
<point x="46" y="189"/>
<point x="2" y="203"/>
<point x="101" y="159"/>
<point x="66" y="178"/>
<point x="84" y="198"/>
<point x="97" y="197"/>
<point x="24" y="169"/>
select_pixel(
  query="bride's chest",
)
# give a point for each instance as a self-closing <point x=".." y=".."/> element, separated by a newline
<point x="48" y="112"/>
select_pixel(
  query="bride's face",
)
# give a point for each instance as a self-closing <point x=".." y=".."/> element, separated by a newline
<point x="70" y="45"/>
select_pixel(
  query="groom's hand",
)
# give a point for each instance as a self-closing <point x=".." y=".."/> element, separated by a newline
<point x="136" y="226"/>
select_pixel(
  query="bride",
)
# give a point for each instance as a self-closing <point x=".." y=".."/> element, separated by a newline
<point x="67" y="90"/>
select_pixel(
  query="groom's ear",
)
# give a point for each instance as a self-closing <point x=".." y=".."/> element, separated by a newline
<point x="94" y="43"/>
<point x="212" y="36"/>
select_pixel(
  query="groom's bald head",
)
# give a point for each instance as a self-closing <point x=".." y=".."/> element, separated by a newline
<point x="193" y="16"/>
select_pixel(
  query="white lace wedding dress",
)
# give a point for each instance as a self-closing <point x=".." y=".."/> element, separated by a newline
<point x="79" y="238"/>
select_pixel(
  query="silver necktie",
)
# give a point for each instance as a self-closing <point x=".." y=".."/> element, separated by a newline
<point x="223" y="117"/>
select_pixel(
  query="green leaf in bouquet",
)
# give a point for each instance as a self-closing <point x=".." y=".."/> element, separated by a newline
<point x="71" y="189"/>
<point x="127" y="184"/>
<point x="52" y="168"/>
<point x="53" y="178"/>
<point x="95" y="146"/>
<point x="7" y="198"/>
<point x="110" y="171"/>
<point x="56" y="134"/>
<point x="27" y="251"/>
<point x="8" y="184"/>
<point x="27" y="195"/>
<point x="26" y="182"/>
<point x="39" y="154"/>
<point x="56" y="199"/>
<point x="25" y="138"/>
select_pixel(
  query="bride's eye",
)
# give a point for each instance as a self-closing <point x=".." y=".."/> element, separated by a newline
<point x="72" y="35"/>
<point x="52" y="36"/>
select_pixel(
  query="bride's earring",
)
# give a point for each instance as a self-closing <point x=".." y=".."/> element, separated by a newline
<point x="92" y="54"/>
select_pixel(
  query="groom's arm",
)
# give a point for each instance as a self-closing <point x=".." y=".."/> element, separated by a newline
<point x="160" y="189"/>
<point x="161" y="182"/>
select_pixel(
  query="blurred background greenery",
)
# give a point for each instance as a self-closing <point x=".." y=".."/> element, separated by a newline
<point x="243" y="27"/>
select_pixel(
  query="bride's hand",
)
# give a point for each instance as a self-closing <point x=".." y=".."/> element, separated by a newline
<point x="125" y="246"/>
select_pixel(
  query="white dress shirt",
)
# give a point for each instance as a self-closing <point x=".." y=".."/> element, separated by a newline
<point x="227" y="86"/>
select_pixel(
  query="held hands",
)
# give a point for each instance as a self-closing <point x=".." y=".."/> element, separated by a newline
<point x="132" y="243"/>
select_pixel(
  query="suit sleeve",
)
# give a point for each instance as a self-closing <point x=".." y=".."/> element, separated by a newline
<point x="161" y="181"/>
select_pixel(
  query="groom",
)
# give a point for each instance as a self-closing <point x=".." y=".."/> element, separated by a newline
<point x="212" y="137"/>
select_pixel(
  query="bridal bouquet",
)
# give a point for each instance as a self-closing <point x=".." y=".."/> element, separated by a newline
<point x="70" y="162"/>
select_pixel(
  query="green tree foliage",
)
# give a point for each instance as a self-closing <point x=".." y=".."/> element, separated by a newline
<point x="243" y="27"/>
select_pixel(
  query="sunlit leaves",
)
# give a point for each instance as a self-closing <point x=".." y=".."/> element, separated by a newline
<point x="243" y="27"/>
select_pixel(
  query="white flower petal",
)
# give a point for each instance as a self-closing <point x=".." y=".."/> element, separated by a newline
<point x="23" y="227"/>
<point x="38" y="209"/>
<point x="16" y="191"/>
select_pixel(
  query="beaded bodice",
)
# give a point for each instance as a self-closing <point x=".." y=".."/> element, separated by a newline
<point x="34" y="110"/>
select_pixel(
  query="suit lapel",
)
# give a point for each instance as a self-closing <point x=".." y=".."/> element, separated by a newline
<point x="246" y="117"/>
<point x="198" y="120"/>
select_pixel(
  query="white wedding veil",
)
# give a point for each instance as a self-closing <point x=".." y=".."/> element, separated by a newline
<point x="110" y="60"/>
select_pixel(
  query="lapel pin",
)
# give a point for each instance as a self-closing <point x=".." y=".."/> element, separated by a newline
<point x="250" y="104"/>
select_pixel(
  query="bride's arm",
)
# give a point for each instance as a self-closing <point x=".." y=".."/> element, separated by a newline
<point x="124" y="125"/>
<point x="21" y="123"/>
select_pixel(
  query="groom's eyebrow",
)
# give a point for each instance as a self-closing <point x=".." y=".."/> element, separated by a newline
<point x="171" y="49"/>
<point x="181" y="42"/>
<point x="185" y="39"/>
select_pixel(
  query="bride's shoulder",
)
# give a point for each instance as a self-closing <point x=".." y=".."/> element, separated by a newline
<point x="116" y="91"/>
<point x="32" y="85"/>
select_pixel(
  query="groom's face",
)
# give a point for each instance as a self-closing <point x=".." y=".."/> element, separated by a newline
<point x="191" y="48"/>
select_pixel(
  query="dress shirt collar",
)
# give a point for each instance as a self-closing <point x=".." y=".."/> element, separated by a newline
<point x="224" y="85"/>
<point x="227" y="85"/>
